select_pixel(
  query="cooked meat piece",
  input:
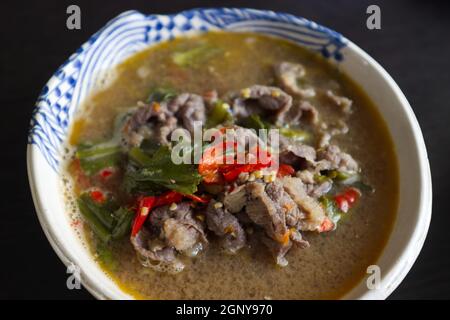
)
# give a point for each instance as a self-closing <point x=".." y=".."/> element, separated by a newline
<point x="177" y="227"/>
<point x="277" y="249"/>
<point x="259" y="99"/>
<point x="181" y="236"/>
<point x="306" y="176"/>
<point x="325" y="139"/>
<point x="318" y="190"/>
<point x="303" y="111"/>
<point x="226" y="226"/>
<point x="236" y="199"/>
<point x="188" y="108"/>
<point x="344" y="103"/>
<point x="264" y="210"/>
<point x="141" y="122"/>
<point x="314" y="213"/>
<point x="296" y="237"/>
<point x="284" y="203"/>
<point x="164" y="129"/>
<point x="330" y="131"/>
<point x="332" y="158"/>
<point x="243" y="218"/>
<point x="289" y="75"/>
<point x="141" y="243"/>
<point x="296" y="153"/>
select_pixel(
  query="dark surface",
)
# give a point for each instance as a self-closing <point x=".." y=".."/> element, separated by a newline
<point x="412" y="45"/>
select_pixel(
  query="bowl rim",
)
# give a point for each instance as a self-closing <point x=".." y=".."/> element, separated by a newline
<point x="409" y="254"/>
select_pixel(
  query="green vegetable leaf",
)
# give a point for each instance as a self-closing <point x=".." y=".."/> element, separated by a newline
<point x="219" y="114"/>
<point x="93" y="158"/>
<point x="93" y="221"/>
<point x="157" y="172"/>
<point x="124" y="218"/>
<point x="296" y="134"/>
<point x="255" y="122"/>
<point x="162" y="94"/>
<point x="195" y="56"/>
<point x="333" y="212"/>
<point x="107" y="220"/>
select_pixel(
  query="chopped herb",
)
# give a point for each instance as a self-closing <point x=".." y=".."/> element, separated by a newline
<point x="107" y="220"/>
<point x="255" y="122"/>
<point x="93" y="158"/>
<point x="162" y="94"/>
<point x="296" y="134"/>
<point x="332" y="210"/>
<point x="195" y="56"/>
<point x="158" y="171"/>
<point x="219" y="114"/>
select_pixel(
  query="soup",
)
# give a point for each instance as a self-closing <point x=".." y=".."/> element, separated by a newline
<point x="309" y="208"/>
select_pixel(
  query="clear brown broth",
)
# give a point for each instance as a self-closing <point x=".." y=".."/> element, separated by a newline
<point x="335" y="262"/>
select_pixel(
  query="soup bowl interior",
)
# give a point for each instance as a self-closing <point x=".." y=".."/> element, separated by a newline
<point x="89" y="69"/>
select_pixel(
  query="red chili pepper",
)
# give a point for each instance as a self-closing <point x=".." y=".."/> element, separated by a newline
<point x="197" y="198"/>
<point x="327" y="225"/>
<point x="145" y="206"/>
<point x="233" y="174"/>
<point x="168" y="198"/>
<point x="214" y="167"/>
<point x="285" y="170"/>
<point x="106" y="173"/>
<point x="98" y="196"/>
<point x="347" y="199"/>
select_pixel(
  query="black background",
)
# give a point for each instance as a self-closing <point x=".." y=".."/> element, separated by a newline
<point x="413" y="45"/>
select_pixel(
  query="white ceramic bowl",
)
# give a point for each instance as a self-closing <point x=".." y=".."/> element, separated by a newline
<point x="132" y="31"/>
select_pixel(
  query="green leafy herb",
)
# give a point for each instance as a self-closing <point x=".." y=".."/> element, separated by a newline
<point x="93" y="221"/>
<point x="107" y="220"/>
<point x="296" y="134"/>
<point x="158" y="171"/>
<point x="93" y="158"/>
<point x="363" y="187"/>
<point x="162" y="94"/>
<point x="349" y="179"/>
<point x="123" y="218"/>
<point x="333" y="212"/>
<point x="255" y="122"/>
<point x="219" y="114"/>
<point x="195" y="56"/>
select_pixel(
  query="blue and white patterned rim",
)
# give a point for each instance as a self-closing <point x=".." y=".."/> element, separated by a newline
<point x="133" y="31"/>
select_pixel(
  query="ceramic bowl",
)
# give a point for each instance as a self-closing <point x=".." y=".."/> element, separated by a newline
<point x="85" y="71"/>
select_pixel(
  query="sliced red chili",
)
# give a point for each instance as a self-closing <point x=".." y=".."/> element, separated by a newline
<point x="285" y="170"/>
<point x="197" y="198"/>
<point x="98" y="196"/>
<point x="168" y="198"/>
<point x="327" y="225"/>
<point x="145" y="206"/>
<point x="347" y="199"/>
<point x="106" y="173"/>
<point x="234" y="173"/>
